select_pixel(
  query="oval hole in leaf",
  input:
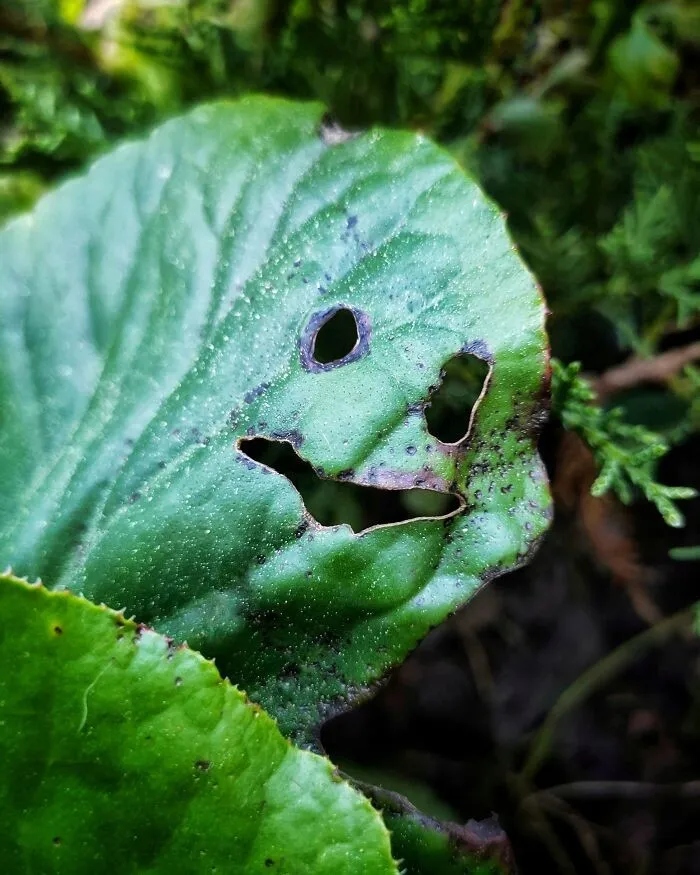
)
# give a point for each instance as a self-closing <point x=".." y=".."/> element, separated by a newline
<point x="450" y="408"/>
<point x="336" y="338"/>
<point x="338" y="502"/>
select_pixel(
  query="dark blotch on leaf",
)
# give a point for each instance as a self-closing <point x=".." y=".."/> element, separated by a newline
<point x="202" y="765"/>
<point x="478" y="349"/>
<point x="294" y="437"/>
<point x="246" y="462"/>
<point x="255" y="393"/>
<point x="198" y="437"/>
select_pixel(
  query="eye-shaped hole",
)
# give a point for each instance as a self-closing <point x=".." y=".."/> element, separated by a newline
<point x="450" y="408"/>
<point x="334" y="337"/>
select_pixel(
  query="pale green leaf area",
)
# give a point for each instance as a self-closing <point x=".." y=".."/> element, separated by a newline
<point x="161" y="308"/>
<point x="122" y="752"/>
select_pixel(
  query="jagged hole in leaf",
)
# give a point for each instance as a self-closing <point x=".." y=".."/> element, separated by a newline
<point x="336" y="502"/>
<point x="449" y="409"/>
<point x="336" y="338"/>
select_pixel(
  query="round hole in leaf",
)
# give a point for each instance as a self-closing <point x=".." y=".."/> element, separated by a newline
<point x="336" y="338"/>
<point x="451" y="405"/>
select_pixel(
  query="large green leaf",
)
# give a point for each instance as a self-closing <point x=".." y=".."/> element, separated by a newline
<point x="124" y="753"/>
<point x="158" y="310"/>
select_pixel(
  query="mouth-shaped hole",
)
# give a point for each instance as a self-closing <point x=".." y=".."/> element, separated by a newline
<point x="336" y="502"/>
<point x="450" y="408"/>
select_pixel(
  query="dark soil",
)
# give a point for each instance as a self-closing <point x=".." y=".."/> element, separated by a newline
<point x="618" y="787"/>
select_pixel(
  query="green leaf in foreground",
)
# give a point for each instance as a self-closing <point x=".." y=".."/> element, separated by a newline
<point x="160" y="310"/>
<point x="121" y="753"/>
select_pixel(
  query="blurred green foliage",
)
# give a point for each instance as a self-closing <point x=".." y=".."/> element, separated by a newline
<point x="579" y="117"/>
<point x="626" y="452"/>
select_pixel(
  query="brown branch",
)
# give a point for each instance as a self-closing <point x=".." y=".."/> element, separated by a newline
<point x="638" y="790"/>
<point x="533" y="818"/>
<point x="584" y="829"/>
<point x="634" y="371"/>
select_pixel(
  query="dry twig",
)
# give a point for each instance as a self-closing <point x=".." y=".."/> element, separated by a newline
<point x="658" y="369"/>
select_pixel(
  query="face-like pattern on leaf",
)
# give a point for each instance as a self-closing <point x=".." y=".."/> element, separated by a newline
<point x="165" y="309"/>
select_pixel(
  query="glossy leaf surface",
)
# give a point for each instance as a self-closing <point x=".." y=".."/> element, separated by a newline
<point x="124" y="753"/>
<point x="161" y="309"/>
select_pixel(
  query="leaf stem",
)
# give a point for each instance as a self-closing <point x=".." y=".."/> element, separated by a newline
<point x="594" y="678"/>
